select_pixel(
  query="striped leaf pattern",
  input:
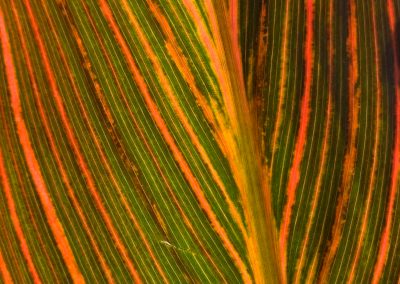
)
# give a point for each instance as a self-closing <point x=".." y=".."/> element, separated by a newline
<point x="200" y="141"/>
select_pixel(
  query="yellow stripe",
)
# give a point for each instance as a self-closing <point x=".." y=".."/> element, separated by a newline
<point x="182" y="117"/>
<point x="153" y="109"/>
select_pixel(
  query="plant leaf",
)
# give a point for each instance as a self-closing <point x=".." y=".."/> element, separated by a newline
<point x="187" y="141"/>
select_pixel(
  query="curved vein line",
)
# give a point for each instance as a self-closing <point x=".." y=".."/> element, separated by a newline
<point x="153" y="109"/>
<point x="105" y="161"/>
<point x="282" y="83"/>
<point x="170" y="190"/>
<point x="215" y="53"/>
<point x="15" y="220"/>
<point x="16" y="167"/>
<point x="57" y="155"/>
<point x="182" y="117"/>
<point x="75" y="147"/>
<point x="385" y="237"/>
<point x="301" y="261"/>
<point x="226" y="120"/>
<point x="294" y="174"/>
<point x="372" y="179"/>
<point x="177" y="56"/>
<point x="351" y="151"/>
<point x="33" y="165"/>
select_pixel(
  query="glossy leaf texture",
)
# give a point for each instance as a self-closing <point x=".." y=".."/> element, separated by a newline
<point x="200" y="141"/>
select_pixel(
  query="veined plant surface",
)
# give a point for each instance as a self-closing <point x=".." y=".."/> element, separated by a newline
<point x="200" y="141"/>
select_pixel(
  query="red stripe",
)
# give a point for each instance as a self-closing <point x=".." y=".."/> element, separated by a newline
<point x="179" y="158"/>
<point x="385" y="237"/>
<point x="75" y="145"/>
<point x="15" y="220"/>
<point x="33" y="165"/>
<point x="57" y="155"/>
<point x="294" y="174"/>
<point x="144" y="139"/>
<point x="372" y="180"/>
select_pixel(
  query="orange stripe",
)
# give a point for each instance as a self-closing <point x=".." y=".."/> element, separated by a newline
<point x="32" y="219"/>
<point x="20" y="184"/>
<point x="225" y="136"/>
<point x="3" y="266"/>
<point x="231" y="86"/>
<point x="6" y="238"/>
<point x="207" y="41"/>
<point x="33" y="165"/>
<point x="15" y="220"/>
<point x="294" y="174"/>
<point x="152" y="107"/>
<point x="219" y="134"/>
<point x="304" y="245"/>
<point x="301" y="261"/>
<point x="238" y="121"/>
<point x="56" y="154"/>
<point x="351" y="151"/>
<point x="176" y="202"/>
<point x="12" y="253"/>
<point x="202" y="33"/>
<point x="216" y="53"/>
<point x="180" y="61"/>
<point x="74" y="143"/>
<point x="182" y="117"/>
<point x="245" y="152"/>
<point x="220" y="57"/>
<point x="372" y="180"/>
<point x="104" y="160"/>
<point x="385" y="237"/>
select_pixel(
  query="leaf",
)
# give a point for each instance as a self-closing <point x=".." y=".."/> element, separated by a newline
<point x="185" y="141"/>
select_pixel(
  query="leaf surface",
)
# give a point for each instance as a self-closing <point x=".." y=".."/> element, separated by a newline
<point x="190" y="141"/>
